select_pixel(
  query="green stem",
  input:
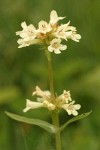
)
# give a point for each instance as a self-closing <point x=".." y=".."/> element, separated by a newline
<point x="55" y="122"/>
<point x="54" y="114"/>
<point x="50" y="73"/>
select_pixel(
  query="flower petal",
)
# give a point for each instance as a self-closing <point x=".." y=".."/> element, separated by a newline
<point x="24" y="25"/>
<point x="71" y="108"/>
<point x="63" y="47"/>
<point x="74" y="112"/>
<point x="50" y="48"/>
<point x="54" y="17"/>
<point x="44" y="27"/>
<point x="77" y="106"/>
<point x="32" y="105"/>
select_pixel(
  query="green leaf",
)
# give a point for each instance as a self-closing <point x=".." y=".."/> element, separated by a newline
<point x="43" y="124"/>
<point x="74" y="119"/>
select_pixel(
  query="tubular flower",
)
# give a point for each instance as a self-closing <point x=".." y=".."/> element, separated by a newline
<point x="71" y="108"/>
<point x="44" y="27"/>
<point x="47" y="33"/>
<point x="44" y="99"/>
<point x="54" y="17"/>
<point x="27" y="35"/>
<point x="32" y="105"/>
<point x="56" y="46"/>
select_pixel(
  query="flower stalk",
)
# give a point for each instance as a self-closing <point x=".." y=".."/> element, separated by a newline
<point x="54" y="114"/>
<point x="51" y="82"/>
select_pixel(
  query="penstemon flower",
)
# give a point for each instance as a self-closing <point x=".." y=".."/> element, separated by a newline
<point x="56" y="46"/>
<point x="48" y="34"/>
<point x="64" y="101"/>
<point x="28" y="34"/>
<point x="54" y="17"/>
<point x="44" y="27"/>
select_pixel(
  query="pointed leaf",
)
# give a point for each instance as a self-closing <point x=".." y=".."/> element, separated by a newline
<point x="74" y="119"/>
<point x="43" y="124"/>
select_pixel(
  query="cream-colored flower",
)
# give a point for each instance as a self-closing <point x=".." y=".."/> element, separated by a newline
<point x="54" y="17"/>
<point x="66" y="32"/>
<point x="44" y="27"/>
<point x="48" y="34"/>
<point x="75" y="37"/>
<point x="71" y="32"/>
<point x="62" y="31"/>
<point x="24" y="43"/>
<point x="28" y="32"/>
<point x="49" y="105"/>
<point x="32" y="105"/>
<point x="35" y="105"/>
<point x="43" y="95"/>
<point x="56" y="46"/>
<point x="65" y="97"/>
<point x="71" y="108"/>
<point x="65" y="101"/>
<point x="27" y="35"/>
<point x="44" y="100"/>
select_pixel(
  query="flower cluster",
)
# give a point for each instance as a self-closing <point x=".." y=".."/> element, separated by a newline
<point x="50" y="34"/>
<point x="64" y="101"/>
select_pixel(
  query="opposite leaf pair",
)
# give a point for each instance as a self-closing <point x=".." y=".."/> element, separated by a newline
<point x="43" y="124"/>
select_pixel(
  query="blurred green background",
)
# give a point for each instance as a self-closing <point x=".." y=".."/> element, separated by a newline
<point x="77" y="69"/>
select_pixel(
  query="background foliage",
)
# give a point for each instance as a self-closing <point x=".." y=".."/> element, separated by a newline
<point x="77" y="69"/>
